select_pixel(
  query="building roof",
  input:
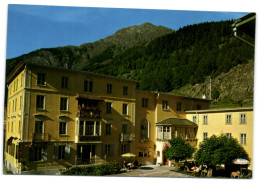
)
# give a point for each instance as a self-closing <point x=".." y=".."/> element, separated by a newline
<point x="22" y="64"/>
<point x="176" y="122"/>
<point x="220" y="110"/>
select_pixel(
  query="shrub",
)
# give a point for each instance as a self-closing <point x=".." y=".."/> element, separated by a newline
<point x="103" y="169"/>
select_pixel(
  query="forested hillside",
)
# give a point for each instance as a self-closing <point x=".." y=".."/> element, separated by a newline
<point x="186" y="56"/>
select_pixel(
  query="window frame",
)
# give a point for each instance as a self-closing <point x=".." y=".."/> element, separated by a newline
<point x="42" y="106"/>
<point x="205" y="119"/>
<point x="109" y="88"/>
<point x="63" y="128"/>
<point x="205" y="135"/>
<point x="145" y="102"/>
<point x="64" y="82"/>
<point x="243" y="118"/>
<point x="228" y="119"/>
<point x="165" y="105"/>
<point x="125" y="90"/>
<point x="41" y="78"/>
<point x="179" y="106"/>
<point x="62" y="104"/>
<point x="243" y="139"/>
<point x="125" y="109"/>
<point x="109" y="107"/>
<point x="108" y="129"/>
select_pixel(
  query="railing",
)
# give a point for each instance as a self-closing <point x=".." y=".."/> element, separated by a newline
<point x="164" y="135"/>
<point x="126" y="137"/>
<point x="41" y="137"/>
<point x="89" y="138"/>
<point x="89" y="113"/>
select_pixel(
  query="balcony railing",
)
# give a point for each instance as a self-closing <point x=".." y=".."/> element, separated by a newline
<point x="126" y="137"/>
<point x="89" y="113"/>
<point x="89" y="138"/>
<point x="41" y="137"/>
<point x="164" y="135"/>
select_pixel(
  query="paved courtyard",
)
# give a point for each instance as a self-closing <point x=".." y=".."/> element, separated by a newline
<point x="152" y="171"/>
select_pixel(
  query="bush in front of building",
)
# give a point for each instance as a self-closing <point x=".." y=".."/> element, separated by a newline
<point x="102" y="169"/>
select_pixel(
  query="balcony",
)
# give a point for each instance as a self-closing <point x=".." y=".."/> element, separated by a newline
<point x="89" y="138"/>
<point x="126" y="137"/>
<point x="164" y="136"/>
<point x="39" y="137"/>
<point x="91" y="113"/>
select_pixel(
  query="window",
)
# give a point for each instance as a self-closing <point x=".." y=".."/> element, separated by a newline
<point x="108" y="129"/>
<point x="144" y="154"/>
<point x="81" y="128"/>
<point x="90" y="86"/>
<point x="63" y="104"/>
<point x="17" y="84"/>
<point x="194" y="119"/>
<point x="109" y="88"/>
<point x="22" y="79"/>
<point x="228" y="135"/>
<point x="41" y="79"/>
<point x="198" y="107"/>
<point x="228" y="119"/>
<point x="165" y="105"/>
<point x="64" y="82"/>
<point x="107" y="149"/>
<point x="108" y="107"/>
<point x="125" y="148"/>
<point x="243" y="139"/>
<point x="21" y="102"/>
<point x="86" y="85"/>
<point x="125" y="90"/>
<point x="63" y="128"/>
<point x="144" y="129"/>
<point x="38" y="127"/>
<point x="205" y="120"/>
<point x="89" y="128"/>
<point x="61" y="154"/>
<point x="205" y="135"/>
<point x="125" y="109"/>
<point x="40" y="102"/>
<point x="178" y="106"/>
<point x="145" y="102"/>
<point x="243" y="118"/>
<point x="38" y="150"/>
<point x="14" y="87"/>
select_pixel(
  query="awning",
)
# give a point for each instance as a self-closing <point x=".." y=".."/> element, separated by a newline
<point x="89" y="97"/>
<point x="41" y="117"/>
<point x="65" y="118"/>
<point x="176" y="122"/>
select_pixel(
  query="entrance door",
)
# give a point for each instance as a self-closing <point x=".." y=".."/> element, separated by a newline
<point x="87" y="152"/>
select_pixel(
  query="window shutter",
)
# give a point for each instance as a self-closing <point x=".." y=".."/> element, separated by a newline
<point x="56" y="152"/>
<point x="45" y="153"/>
<point x="67" y="151"/>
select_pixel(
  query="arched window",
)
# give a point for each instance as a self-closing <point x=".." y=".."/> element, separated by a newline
<point x="145" y="129"/>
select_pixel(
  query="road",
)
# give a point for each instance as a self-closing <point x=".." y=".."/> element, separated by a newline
<point x="152" y="171"/>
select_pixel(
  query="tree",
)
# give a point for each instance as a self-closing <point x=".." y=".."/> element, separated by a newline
<point x="178" y="150"/>
<point x="218" y="150"/>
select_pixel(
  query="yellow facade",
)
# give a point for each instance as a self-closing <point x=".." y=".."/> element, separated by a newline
<point x="236" y="122"/>
<point x="59" y="117"/>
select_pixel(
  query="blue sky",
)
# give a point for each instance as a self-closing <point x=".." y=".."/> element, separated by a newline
<point x="31" y="27"/>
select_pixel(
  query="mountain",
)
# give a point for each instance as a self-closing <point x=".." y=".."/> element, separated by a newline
<point x="233" y="87"/>
<point x="102" y="51"/>
<point x="162" y="59"/>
